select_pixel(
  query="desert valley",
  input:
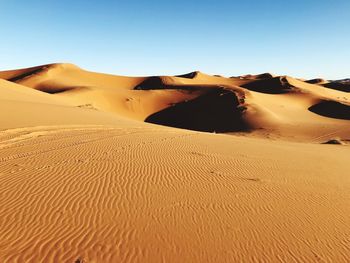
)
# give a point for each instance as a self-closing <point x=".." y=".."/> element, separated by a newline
<point x="188" y="168"/>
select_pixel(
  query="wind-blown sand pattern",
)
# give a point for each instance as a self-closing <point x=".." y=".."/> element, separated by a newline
<point x="82" y="179"/>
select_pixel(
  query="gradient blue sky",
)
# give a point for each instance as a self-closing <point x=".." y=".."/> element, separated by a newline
<point x="303" y="38"/>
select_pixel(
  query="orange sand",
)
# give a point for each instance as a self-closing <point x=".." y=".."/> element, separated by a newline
<point x="83" y="179"/>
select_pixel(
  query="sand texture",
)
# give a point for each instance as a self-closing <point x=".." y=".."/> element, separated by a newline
<point x="258" y="172"/>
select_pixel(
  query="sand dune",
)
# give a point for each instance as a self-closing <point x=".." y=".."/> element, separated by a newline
<point x="275" y="85"/>
<point x="338" y="86"/>
<point x="341" y="85"/>
<point x="282" y="112"/>
<point x="87" y="176"/>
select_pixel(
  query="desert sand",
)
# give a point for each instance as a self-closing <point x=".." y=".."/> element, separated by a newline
<point x="188" y="168"/>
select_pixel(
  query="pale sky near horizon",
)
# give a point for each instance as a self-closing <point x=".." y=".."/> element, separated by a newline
<point x="302" y="38"/>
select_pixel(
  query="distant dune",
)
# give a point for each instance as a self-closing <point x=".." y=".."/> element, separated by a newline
<point x="95" y="169"/>
<point x="257" y="103"/>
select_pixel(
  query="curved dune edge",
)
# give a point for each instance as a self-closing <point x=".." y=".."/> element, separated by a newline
<point x="276" y="85"/>
<point x="318" y="81"/>
<point x="258" y="77"/>
<point x="190" y="75"/>
<point x="218" y="110"/>
<point x="269" y="105"/>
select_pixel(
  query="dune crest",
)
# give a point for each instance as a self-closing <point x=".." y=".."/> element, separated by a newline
<point x="274" y="105"/>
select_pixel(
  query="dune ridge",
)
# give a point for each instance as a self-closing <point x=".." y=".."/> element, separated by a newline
<point x="285" y="107"/>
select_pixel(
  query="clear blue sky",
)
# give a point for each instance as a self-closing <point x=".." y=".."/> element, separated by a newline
<point x="303" y="38"/>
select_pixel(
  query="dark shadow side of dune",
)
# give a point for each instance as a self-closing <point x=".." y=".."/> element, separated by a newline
<point x="276" y="85"/>
<point x="55" y="90"/>
<point x="338" y="86"/>
<point x="190" y="75"/>
<point x="257" y="77"/>
<point x="315" y="81"/>
<point x="332" y="109"/>
<point x="27" y="74"/>
<point x="154" y="83"/>
<point x="218" y="110"/>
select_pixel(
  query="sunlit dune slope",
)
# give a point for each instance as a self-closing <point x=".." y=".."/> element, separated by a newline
<point x="265" y="104"/>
